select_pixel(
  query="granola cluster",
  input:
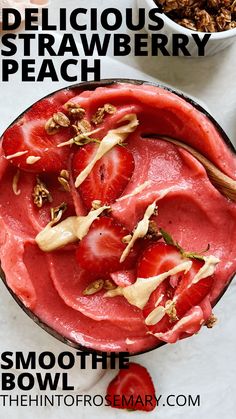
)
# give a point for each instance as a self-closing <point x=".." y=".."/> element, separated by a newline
<point x="201" y="15"/>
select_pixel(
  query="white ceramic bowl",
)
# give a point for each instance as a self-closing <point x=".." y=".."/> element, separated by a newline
<point x="217" y="42"/>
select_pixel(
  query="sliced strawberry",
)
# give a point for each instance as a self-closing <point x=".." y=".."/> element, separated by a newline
<point x="193" y="295"/>
<point x="158" y="298"/>
<point x="157" y="259"/>
<point x="179" y="288"/>
<point x="29" y="134"/>
<point x="132" y="389"/>
<point x="189" y="325"/>
<point x="109" y="176"/>
<point x="124" y="278"/>
<point x="101" y="249"/>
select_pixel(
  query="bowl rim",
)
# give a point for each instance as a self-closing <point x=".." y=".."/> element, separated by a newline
<point x="176" y="27"/>
<point x="92" y="85"/>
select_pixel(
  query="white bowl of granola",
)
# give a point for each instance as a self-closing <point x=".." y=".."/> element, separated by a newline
<point x="219" y="23"/>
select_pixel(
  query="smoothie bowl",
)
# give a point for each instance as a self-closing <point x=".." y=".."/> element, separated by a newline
<point x="112" y="238"/>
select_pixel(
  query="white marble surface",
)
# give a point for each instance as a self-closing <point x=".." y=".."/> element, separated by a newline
<point x="204" y="364"/>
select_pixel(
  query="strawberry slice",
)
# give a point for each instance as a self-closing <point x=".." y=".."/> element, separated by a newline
<point x="180" y="288"/>
<point x="124" y="278"/>
<point x="132" y="389"/>
<point x="157" y="259"/>
<point x="193" y="295"/>
<point x="101" y="249"/>
<point x="108" y="178"/>
<point x="29" y="134"/>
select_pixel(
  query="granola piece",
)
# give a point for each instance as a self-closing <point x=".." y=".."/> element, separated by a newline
<point x="171" y="5"/>
<point x="205" y="22"/>
<point x="198" y="3"/>
<point x="231" y="25"/>
<point x="41" y="194"/>
<point x="99" y="116"/>
<point x="82" y="126"/>
<point x="201" y="15"/>
<point x="153" y="231"/>
<point x="223" y="19"/>
<point x="170" y="310"/>
<point x="187" y="23"/>
<point x="75" y="110"/>
<point x="186" y="13"/>
<point x="233" y="7"/>
<point x="210" y="323"/>
<point x="61" y="119"/>
<point x="56" y="213"/>
<point x="94" y="287"/>
<point x="57" y="121"/>
<point x="51" y="126"/>
<point x="64" y="173"/>
<point x="226" y="3"/>
<point x="63" y="179"/>
<point x="214" y="4"/>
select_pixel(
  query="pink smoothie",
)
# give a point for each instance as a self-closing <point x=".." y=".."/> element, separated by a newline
<point x="194" y="212"/>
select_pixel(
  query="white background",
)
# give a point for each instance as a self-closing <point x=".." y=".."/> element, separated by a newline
<point x="204" y="364"/>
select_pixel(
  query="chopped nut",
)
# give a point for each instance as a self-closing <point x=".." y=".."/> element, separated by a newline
<point x="109" y="285"/>
<point x="96" y="204"/>
<point x="94" y="287"/>
<point x="101" y="113"/>
<point x="41" y="194"/>
<point x="210" y="323"/>
<point x="56" y="213"/>
<point x="75" y="110"/>
<point x="171" y="310"/>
